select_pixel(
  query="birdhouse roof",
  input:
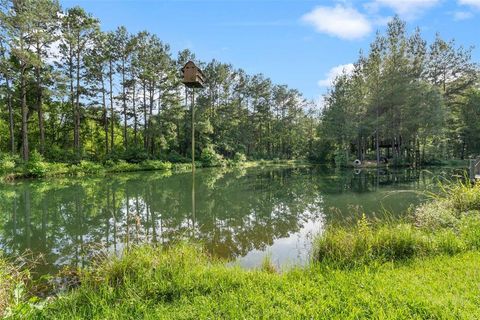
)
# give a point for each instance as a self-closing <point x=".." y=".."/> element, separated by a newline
<point x="192" y="64"/>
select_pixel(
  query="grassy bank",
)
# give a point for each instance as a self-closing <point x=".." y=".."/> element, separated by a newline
<point x="184" y="283"/>
<point x="13" y="168"/>
<point x="449" y="224"/>
<point x="424" y="267"/>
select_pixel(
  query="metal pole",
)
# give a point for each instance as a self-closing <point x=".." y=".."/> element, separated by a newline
<point x="193" y="130"/>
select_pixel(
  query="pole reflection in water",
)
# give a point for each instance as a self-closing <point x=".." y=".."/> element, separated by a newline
<point x="241" y="214"/>
<point x="193" y="204"/>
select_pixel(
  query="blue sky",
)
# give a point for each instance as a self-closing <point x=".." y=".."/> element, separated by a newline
<point x="301" y="43"/>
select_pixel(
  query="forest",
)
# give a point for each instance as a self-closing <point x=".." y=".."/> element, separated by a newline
<point x="406" y="100"/>
<point x="72" y="92"/>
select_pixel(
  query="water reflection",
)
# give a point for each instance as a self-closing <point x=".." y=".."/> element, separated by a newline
<point x="235" y="214"/>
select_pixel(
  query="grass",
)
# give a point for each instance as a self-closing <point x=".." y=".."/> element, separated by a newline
<point x="423" y="267"/>
<point x="13" y="282"/>
<point x="449" y="224"/>
<point x="184" y="283"/>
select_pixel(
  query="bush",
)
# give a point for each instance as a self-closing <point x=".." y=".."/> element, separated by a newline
<point x="90" y="167"/>
<point x="123" y="166"/>
<point x="85" y="167"/>
<point x="36" y="167"/>
<point x="448" y="208"/>
<point x="155" y="165"/>
<point x="210" y="158"/>
<point x="8" y="163"/>
<point x="239" y="157"/>
<point x="435" y="215"/>
<point x="57" y="169"/>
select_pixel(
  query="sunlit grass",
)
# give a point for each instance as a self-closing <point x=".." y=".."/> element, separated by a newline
<point x="184" y="283"/>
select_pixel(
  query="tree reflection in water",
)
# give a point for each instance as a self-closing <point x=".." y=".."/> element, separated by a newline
<point x="234" y="212"/>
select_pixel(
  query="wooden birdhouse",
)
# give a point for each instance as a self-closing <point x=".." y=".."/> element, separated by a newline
<point x="193" y="77"/>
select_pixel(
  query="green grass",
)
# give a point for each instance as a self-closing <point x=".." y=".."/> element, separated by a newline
<point x="423" y="267"/>
<point x="12" y="284"/>
<point x="449" y="224"/>
<point x="184" y="283"/>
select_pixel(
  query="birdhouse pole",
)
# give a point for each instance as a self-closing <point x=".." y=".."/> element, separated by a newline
<point x="193" y="78"/>
<point x="193" y="130"/>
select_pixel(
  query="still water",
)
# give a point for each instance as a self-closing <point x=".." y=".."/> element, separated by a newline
<point x="240" y="215"/>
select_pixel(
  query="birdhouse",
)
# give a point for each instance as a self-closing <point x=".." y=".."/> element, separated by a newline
<point x="193" y="77"/>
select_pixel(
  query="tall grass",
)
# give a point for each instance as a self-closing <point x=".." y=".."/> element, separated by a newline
<point x="447" y="225"/>
<point x="184" y="283"/>
<point x="13" y="282"/>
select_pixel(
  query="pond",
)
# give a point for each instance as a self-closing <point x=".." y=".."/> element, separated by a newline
<point x="239" y="214"/>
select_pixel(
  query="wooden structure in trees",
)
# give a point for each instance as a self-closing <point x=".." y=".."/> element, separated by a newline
<point x="193" y="77"/>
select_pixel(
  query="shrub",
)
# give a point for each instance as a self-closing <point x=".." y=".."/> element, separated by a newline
<point x="239" y="157"/>
<point x="7" y="163"/>
<point x="155" y="165"/>
<point x="36" y="167"/>
<point x="435" y="215"/>
<point x="90" y="167"/>
<point x="210" y="158"/>
<point x="123" y="166"/>
<point x="57" y="169"/>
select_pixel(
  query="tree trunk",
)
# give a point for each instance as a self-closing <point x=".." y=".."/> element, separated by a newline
<point x="135" y="118"/>
<point x="25" y="149"/>
<point x="150" y="113"/>
<point x="41" y="126"/>
<point x="105" y="118"/>
<point x="10" y="117"/>
<point x="125" y="142"/>
<point x="76" y="131"/>
<point x="112" y="112"/>
<point x="72" y="95"/>
<point x="145" y="121"/>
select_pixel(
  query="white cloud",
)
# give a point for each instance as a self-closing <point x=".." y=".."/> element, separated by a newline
<point x="409" y="8"/>
<point x="462" y="15"/>
<point x="471" y="3"/>
<point x="340" y="21"/>
<point x="334" y="73"/>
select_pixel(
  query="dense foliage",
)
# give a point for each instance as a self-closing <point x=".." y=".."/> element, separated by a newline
<point x="72" y="92"/>
<point x="405" y="100"/>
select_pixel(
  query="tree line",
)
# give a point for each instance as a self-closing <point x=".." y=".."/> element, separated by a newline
<point x="406" y="100"/>
<point x="71" y="91"/>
